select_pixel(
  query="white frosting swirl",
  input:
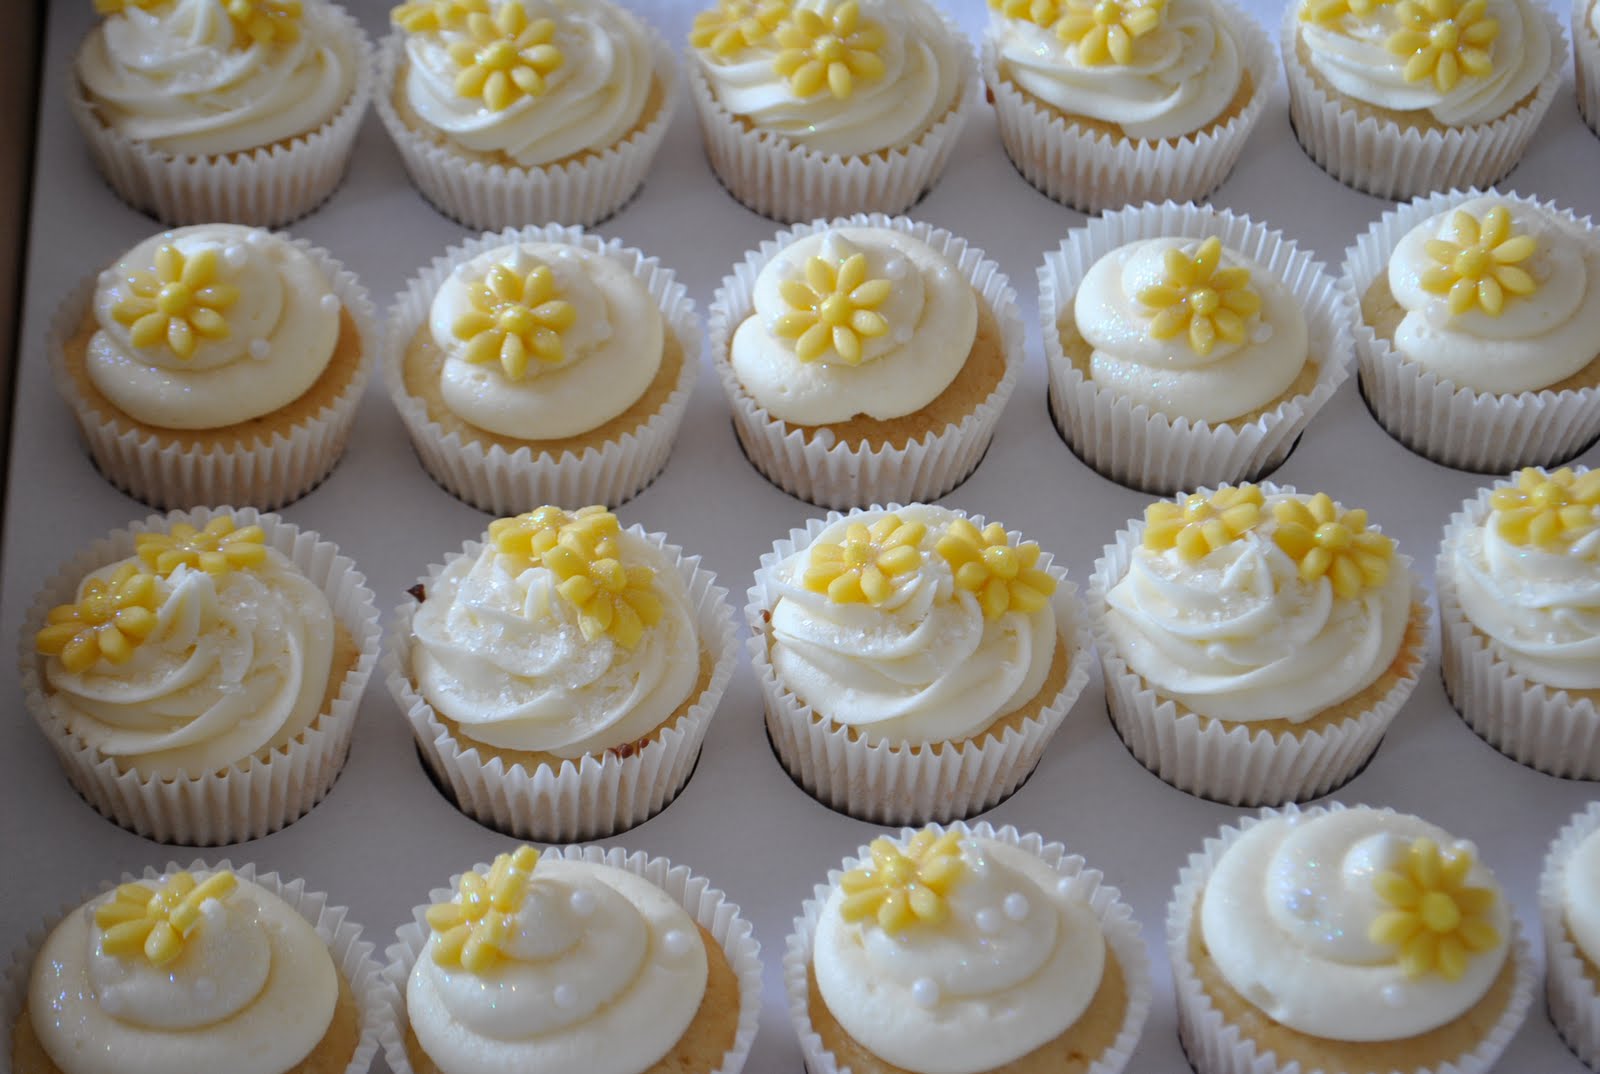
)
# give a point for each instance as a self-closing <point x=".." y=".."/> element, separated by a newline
<point x="603" y="974"/>
<point x="498" y="651"/>
<point x="1014" y="966"/>
<point x="1580" y="896"/>
<point x="922" y="81"/>
<point x="252" y="993"/>
<point x="612" y="351"/>
<point x="590" y="102"/>
<point x="1182" y="74"/>
<point x="924" y="666"/>
<point x="1351" y="54"/>
<point x="235" y="665"/>
<point x="932" y="312"/>
<point x="182" y="78"/>
<point x="1537" y="340"/>
<point x="1285" y="915"/>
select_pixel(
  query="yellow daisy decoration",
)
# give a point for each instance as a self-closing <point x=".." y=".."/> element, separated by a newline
<point x="1326" y="11"/>
<point x="736" y="25"/>
<point x="425" y="16"/>
<point x="828" y="49"/>
<point x="1437" y="921"/>
<point x="219" y="548"/>
<point x="1549" y="511"/>
<point x="1105" y="30"/>
<point x="984" y="563"/>
<point x="515" y="319"/>
<point x="1479" y="262"/>
<point x="861" y="569"/>
<point x="266" y="22"/>
<point x="178" y="302"/>
<point x="1039" y="12"/>
<point x="507" y="56"/>
<point x="612" y="599"/>
<point x="156" y="923"/>
<point x="834" y="310"/>
<point x="901" y="888"/>
<point x="474" y="932"/>
<point x="1325" y="541"/>
<point x="1443" y="40"/>
<point x="1198" y="298"/>
<point x="110" y="620"/>
<point x="1199" y="525"/>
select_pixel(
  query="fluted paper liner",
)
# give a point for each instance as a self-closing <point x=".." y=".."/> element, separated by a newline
<point x="1136" y="446"/>
<point x="1215" y="1046"/>
<point x="510" y="482"/>
<point x="489" y="197"/>
<point x="600" y="794"/>
<point x="352" y="956"/>
<point x="709" y="907"/>
<point x="789" y="183"/>
<point x="1537" y="725"/>
<point x="1237" y="764"/>
<point x="1482" y="431"/>
<point x="1116" y="920"/>
<point x="1586" y="58"/>
<point x="1384" y="159"/>
<point x="842" y="475"/>
<point x="264" y="473"/>
<point x="252" y="797"/>
<point x="1093" y="172"/>
<point x="903" y="784"/>
<point x="1572" y="1002"/>
<point x="267" y="187"/>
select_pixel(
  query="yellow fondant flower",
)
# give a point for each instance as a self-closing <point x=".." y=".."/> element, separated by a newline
<point x="117" y="7"/>
<point x="1479" y="262"/>
<point x="155" y="923"/>
<point x="862" y="567"/>
<point x="1443" y="40"/>
<point x="110" y="620"/>
<point x="266" y="22"/>
<point x="736" y="25"/>
<point x="984" y="563"/>
<point x="1105" y="30"/>
<point x="1334" y="10"/>
<point x="1039" y="12"/>
<point x="612" y="599"/>
<point x="178" y="302"/>
<point x="507" y="56"/>
<point x="1549" y="511"/>
<point x="424" y="16"/>
<point x="834" y="309"/>
<point x="217" y="549"/>
<point x="1437" y="921"/>
<point x="515" y="319"/>
<point x="901" y="888"/>
<point x="1202" y="524"/>
<point x="1325" y="541"/>
<point x="474" y="931"/>
<point x="828" y="49"/>
<point x="1198" y="298"/>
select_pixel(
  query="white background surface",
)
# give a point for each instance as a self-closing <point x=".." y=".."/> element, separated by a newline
<point x="384" y="836"/>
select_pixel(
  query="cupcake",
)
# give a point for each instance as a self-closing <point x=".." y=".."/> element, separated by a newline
<point x="816" y="108"/>
<point x="1344" y="939"/>
<point x="215" y="364"/>
<point x="1519" y="579"/>
<point x="1586" y="57"/>
<point x="963" y="950"/>
<point x="1480" y="315"/>
<point x="544" y="365"/>
<point x="205" y="110"/>
<point x="560" y="674"/>
<point x="914" y="660"/>
<point x="1569" y="909"/>
<point x="866" y="360"/>
<point x="1187" y="346"/>
<point x="575" y="961"/>
<point x="198" y="674"/>
<point x="514" y="112"/>
<point x="204" y="968"/>
<point x="1256" y="643"/>
<point x="1155" y="103"/>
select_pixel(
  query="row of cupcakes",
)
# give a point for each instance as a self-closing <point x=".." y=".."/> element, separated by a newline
<point x="1329" y="938"/>
<point x="511" y="112"/>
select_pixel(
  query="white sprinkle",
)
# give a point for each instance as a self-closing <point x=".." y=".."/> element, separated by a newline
<point x="1394" y="995"/>
<point x="257" y="237"/>
<point x="330" y="303"/>
<point x="212" y="910"/>
<point x="260" y="349"/>
<point x="895" y="268"/>
<point x="1262" y="333"/>
<point x="566" y="996"/>
<point x="236" y="256"/>
<point x="675" y="943"/>
<point x="987" y="920"/>
<point x="582" y="903"/>
<point x="1016" y="906"/>
<point x="925" y="992"/>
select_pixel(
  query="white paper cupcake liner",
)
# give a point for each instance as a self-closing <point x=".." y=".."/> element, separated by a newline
<point x="710" y="908"/>
<point x="249" y="798"/>
<point x="1533" y="724"/>
<point x="1137" y="447"/>
<point x="1215" y="1046"/>
<point x="1237" y="765"/>
<point x="1115" y="917"/>
<point x="789" y="183"/>
<point x="267" y="187"/>
<point x="899" y="784"/>
<point x="1382" y="158"/>
<point x="1573" y="1004"/>
<point x="490" y="197"/>
<point x="352" y="956"/>
<point x="842" y="475"/>
<point x="509" y="482"/>
<point x="597" y="795"/>
<point x="1093" y="172"/>
<point x="267" y="474"/>
<point x="1586" y="57"/>
<point x="1455" y="426"/>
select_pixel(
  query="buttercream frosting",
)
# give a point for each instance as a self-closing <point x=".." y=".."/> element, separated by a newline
<point x="1291" y="908"/>
<point x="1580" y="896"/>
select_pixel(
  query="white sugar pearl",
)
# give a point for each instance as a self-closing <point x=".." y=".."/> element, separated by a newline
<point x="925" y="992"/>
<point x="986" y="920"/>
<point x="675" y="943"/>
<point x="212" y="910"/>
<point x="260" y="349"/>
<point x="582" y="903"/>
<point x="258" y="237"/>
<point x="1016" y="906"/>
<point x="1394" y="995"/>
<point x="565" y="996"/>
<point x="330" y="303"/>
<point x="235" y="255"/>
<point x="895" y="268"/>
